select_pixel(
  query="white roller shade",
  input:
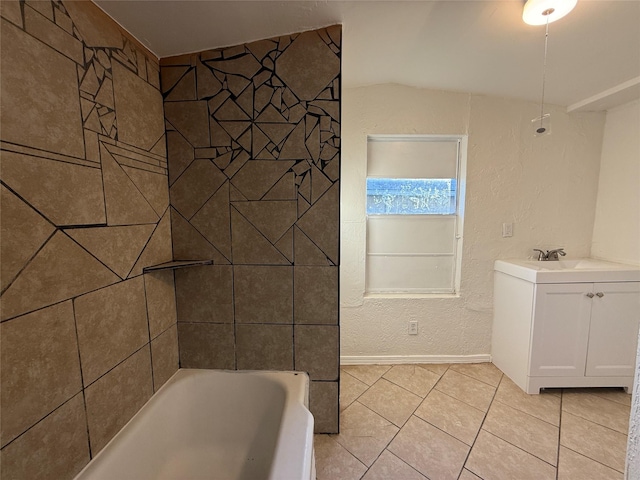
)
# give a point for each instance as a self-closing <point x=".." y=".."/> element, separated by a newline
<point x="399" y="158"/>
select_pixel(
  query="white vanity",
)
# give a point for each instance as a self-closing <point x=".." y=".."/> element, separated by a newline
<point x="567" y="323"/>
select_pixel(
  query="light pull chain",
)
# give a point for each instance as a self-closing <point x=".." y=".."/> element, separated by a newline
<point x="546" y="13"/>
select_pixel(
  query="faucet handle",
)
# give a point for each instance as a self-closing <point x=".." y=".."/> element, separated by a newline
<point x="541" y="254"/>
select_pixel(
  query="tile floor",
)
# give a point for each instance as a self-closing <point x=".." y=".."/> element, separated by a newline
<point x="470" y="422"/>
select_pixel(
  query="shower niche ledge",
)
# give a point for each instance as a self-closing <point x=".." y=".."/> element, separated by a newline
<point x="173" y="265"/>
<point x="566" y="324"/>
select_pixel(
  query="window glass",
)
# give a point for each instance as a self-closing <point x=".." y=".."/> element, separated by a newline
<point x="411" y="196"/>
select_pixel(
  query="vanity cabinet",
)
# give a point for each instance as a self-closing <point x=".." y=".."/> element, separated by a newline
<point x="577" y="334"/>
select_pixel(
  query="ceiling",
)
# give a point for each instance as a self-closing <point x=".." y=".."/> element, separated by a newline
<point x="479" y="46"/>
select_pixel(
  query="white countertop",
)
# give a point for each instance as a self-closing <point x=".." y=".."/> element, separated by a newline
<point x="581" y="270"/>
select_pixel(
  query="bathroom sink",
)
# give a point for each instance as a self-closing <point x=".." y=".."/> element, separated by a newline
<point x="573" y="270"/>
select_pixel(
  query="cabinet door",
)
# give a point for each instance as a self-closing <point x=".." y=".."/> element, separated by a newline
<point x="613" y="335"/>
<point x="560" y="330"/>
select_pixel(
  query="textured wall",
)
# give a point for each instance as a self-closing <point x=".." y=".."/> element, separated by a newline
<point x="616" y="233"/>
<point x="253" y="135"/>
<point x="546" y="186"/>
<point x="85" y="337"/>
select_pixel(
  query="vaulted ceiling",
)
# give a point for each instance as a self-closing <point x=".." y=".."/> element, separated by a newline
<point x="472" y="46"/>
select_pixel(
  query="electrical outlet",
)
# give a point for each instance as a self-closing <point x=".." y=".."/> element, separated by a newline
<point x="413" y="327"/>
<point x="507" y="230"/>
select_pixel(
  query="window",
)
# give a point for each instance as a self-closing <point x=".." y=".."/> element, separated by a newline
<point x="414" y="214"/>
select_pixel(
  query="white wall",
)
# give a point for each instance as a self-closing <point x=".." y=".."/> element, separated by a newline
<point x="616" y="233"/>
<point x="546" y="186"/>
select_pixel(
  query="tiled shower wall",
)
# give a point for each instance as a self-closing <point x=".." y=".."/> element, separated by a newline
<point x="253" y="135"/>
<point x="86" y="338"/>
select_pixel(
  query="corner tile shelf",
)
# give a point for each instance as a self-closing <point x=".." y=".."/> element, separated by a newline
<point x="176" y="264"/>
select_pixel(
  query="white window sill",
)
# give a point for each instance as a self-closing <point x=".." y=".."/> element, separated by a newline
<point x="400" y="295"/>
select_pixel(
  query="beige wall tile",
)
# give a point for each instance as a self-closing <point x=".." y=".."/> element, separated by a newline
<point x="308" y="65"/>
<point x="112" y="324"/>
<point x="161" y="301"/>
<point x="320" y="223"/>
<point x="189" y="244"/>
<point x="117" y="247"/>
<point x="117" y="396"/>
<point x="39" y="95"/>
<point x="317" y="351"/>
<point x="164" y="356"/>
<point x="158" y="249"/>
<point x="205" y="294"/>
<point x="195" y="186"/>
<point x="65" y="193"/>
<point x="191" y="120"/>
<point x="206" y="345"/>
<point x="57" y="447"/>
<point x="263" y="294"/>
<point x="49" y="33"/>
<point x="23" y="231"/>
<point x="40" y="367"/>
<point x="264" y="347"/>
<point x="315" y="293"/>
<point x="96" y="28"/>
<point x="323" y="403"/>
<point x="138" y="108"/>
<point x="10" y="9"/>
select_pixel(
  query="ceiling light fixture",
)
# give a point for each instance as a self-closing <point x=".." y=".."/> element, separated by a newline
<point x="543" y="12"/>
<point x="539" y="12"/>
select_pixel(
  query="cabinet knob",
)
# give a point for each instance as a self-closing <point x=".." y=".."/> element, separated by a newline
<point x="600" y="294"/>
<point x="590" y="295"/>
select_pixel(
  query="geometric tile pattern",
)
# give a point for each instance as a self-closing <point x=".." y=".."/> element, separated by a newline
<point x="560" y="433"/>
<point x="253" y="142"/>
<point x="85" y="206"/>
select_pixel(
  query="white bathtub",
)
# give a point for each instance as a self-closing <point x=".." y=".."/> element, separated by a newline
<point x="218" y="425"/>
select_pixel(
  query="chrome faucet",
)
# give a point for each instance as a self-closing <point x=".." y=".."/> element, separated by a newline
<point x="550" y="255"/>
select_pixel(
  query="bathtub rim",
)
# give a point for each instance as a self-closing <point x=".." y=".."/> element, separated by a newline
<point x="292" y="437"/>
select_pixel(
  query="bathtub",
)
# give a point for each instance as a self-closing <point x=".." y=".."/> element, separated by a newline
<point x="218" y="425"/>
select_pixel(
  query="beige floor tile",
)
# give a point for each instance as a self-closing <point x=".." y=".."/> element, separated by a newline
<point x="467" y="475"/>
<point x="364" y="433"/>
<point x="429" y="450"/>
<point x="531" y="434"/>
<point x="573" y="466"/>
<point x="391" y="401"/>
<point x="594" y="441"/>
<point x="350" y="389"/>
<point x="597" y="409"/>
<point x="390" y="467"/>
<point x="438" y="368"/>
<point x="451" y="415"/>
<point x="545" y="406"/>
<point x="492" y="458"/>
<point x="617" y="395"/>
<point x="368" y="374"/>
<point x="485" y="372"/>
<point x="413" y="378"/>
<point x="334" y="462"/>
<point x="469" y="390"/>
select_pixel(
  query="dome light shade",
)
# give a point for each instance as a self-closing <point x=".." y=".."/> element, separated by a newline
<point x="539" y="12"/>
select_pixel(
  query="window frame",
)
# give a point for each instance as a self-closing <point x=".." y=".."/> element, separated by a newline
<point x="461" y="170"/>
